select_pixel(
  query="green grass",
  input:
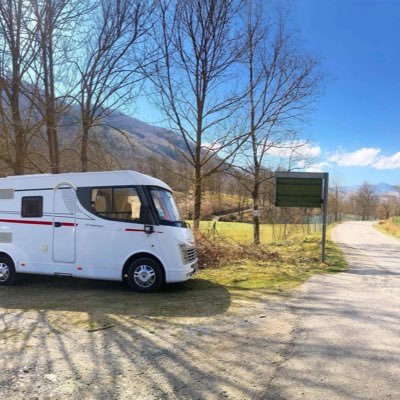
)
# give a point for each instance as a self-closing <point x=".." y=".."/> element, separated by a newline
<point x="297" y="260"/>
<point x="388" y="227"/>
<point x="243" y="232"/>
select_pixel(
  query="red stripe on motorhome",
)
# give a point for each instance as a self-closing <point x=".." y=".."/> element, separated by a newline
<point x="19" y="221"/>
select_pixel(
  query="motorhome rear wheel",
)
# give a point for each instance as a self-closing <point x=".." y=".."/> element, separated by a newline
<point x="7" y="271"/>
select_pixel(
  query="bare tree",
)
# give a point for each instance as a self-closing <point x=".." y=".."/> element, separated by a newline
<point x="53" y="23"/>
<point x="336" y="199"/>
<point x="389" y="204"/>
<point x="282" y="84"/>
<point x="16" y="54"/>
<point x="109" y="69"/>
<point x="199" y="46"/>
<point x="386" y="207"/>
<point x="396" y="201"/>
<point x="366" y="201"/>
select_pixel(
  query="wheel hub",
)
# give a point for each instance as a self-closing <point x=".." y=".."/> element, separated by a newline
<point x="144" y="276"/>
<point x="4" y="272"/>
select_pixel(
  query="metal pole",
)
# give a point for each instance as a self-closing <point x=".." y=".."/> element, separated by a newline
<point x="324" y="214"/>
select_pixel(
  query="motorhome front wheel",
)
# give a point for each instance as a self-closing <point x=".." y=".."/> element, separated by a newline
<point x="145" y="275"/>
<point x="7" y="271"/>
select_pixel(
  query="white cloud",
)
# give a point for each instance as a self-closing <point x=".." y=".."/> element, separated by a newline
<point x="297" y="147"/>
<point x="318" y="167"/>
<point x="390" y="162"/>
<point x="359" y="158"/>
<point x="366" y="157"/>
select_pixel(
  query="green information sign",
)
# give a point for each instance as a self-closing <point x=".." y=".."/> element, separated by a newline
<point x="299" y="192"/>
<point x="304" y="189"/>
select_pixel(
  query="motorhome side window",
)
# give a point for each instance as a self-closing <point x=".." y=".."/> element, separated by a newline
<point x="117" y="203"/>
<point x="32" y="207"/>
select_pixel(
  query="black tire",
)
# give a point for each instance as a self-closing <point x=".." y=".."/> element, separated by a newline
<point x="7" y="271"/>
<point x="145" y="275"/>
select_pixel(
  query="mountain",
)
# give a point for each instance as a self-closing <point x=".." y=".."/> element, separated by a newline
<point x="380" y="188"/>
<point x="153" y="139"/>
<point x="125" y="137"/>
<point x="383" y="187"/>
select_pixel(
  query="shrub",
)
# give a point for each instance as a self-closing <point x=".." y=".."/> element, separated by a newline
<point x="216" y="250"/>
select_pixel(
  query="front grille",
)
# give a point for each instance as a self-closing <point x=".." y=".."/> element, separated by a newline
<point x="189" y="254"/>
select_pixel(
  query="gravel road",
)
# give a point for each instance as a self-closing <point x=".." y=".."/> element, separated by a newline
<point x="346" y="342"/>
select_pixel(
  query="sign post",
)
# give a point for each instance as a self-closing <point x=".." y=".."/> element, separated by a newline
<point x="304" y="189"/>
<point x="324" y="214"/>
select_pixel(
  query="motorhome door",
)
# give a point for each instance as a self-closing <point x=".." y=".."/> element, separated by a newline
<point x="64" y="223"/>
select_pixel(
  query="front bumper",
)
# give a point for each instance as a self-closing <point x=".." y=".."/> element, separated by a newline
<point x="181" y="274"/>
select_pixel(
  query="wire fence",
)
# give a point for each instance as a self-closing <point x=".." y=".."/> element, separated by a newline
<point x="272" y="231"/>
<point x="396" y="220"/>
<point x="314" y="223"/>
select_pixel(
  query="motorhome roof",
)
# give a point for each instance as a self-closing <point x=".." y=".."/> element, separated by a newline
<point x="81" y="179"/>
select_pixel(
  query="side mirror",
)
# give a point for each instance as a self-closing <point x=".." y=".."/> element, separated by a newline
<point x="145" y="215"/>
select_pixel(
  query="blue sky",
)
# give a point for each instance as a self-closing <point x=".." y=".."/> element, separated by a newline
<point x="354" y="132"/>
<point x="356" y="126"/>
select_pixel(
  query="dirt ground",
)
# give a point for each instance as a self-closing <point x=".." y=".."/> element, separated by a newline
<point x="75" y="339"/>
<point x="336" y="337"/>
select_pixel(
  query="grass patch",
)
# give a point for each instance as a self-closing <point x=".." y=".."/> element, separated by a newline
<point x="285" y="265"/>
<point x="388" y="227"/>
<point x="242" y="232"/>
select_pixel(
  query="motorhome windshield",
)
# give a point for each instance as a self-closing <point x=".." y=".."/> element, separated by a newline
<point x="166" y="207"/>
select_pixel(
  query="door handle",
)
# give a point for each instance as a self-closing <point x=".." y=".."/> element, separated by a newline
<point x="57" y="224"/>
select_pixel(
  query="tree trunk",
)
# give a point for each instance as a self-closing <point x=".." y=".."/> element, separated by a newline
<point x="197" y="199"/>
<point x="256" y="210"/>
<point x="84" y="147"/>
<point x="51" y="124"/>
<point x="53" y="144"/>
<point x="52" y="119"/>
<point x="19" y="164"/>
<point x="256" y="220"/>
<point x="46" y="49"/>
<point x="20" y="147"/>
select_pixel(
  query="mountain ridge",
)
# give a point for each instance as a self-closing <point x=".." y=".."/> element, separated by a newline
<point x="380" y="188"/>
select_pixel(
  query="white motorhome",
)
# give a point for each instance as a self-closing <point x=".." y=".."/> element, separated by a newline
<point x="120" y="225"/>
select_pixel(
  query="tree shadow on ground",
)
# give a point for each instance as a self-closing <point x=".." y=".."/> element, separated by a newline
<point x="44" y="329"/>
<point x="195" y="298"/>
